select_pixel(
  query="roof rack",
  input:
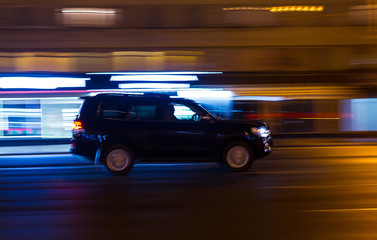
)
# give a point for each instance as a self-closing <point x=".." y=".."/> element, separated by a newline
<point x="159" y="95"/>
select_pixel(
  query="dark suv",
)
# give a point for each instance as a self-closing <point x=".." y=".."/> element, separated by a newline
<point x="117" y="129"/>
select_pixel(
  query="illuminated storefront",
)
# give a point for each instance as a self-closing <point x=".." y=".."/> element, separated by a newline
<point x="40" y="106"/>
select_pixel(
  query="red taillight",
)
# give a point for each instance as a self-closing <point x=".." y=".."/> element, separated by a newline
<point x="77" y="125"/>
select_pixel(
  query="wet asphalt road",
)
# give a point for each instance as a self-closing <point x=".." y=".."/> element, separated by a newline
<point x="295" y="193"/>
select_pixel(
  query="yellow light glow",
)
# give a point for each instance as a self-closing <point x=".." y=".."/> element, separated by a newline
<point x="77" y="125"/>
<point x="279" y="9"/>
<point x="319" y="118"/>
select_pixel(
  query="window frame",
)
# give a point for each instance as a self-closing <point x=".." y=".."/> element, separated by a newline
<point x="128" y="105"/>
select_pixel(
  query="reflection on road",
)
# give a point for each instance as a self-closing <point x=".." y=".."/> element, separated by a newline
<point x="281" y="197"/>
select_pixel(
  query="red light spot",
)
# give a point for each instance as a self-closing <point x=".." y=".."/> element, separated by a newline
<point x="77" y="125"/>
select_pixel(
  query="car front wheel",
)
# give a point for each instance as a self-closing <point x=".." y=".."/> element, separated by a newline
<point x="238" y="157"/>
<point x="118" y="159"/>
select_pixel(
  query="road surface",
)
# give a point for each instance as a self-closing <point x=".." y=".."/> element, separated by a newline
<point x="316" y="192"/>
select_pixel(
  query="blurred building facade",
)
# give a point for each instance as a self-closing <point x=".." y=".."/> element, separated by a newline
<point x="310" y="61"/>
<point x="240" y="36"/>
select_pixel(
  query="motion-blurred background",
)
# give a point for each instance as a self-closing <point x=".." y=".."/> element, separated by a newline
<point x="304" y="66"/>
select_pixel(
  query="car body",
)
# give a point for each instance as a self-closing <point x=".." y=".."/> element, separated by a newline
<point x="117" y="129"/>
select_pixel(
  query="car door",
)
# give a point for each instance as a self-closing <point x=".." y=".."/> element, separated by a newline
<point x="187" y="134"/>
<point x="131" y="122"/>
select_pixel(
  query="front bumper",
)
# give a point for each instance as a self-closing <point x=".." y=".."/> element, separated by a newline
<point x="262" y="147"/>
<point x="268" y="144"/>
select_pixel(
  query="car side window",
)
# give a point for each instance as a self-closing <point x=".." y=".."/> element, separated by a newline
<point x="120" y="109"/>
<point x="181" y="112"/>
<point x="113" y="110"/>
<point x="143" y="111"/>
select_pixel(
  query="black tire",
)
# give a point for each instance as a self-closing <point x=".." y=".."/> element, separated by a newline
<point x="118" y="159"/>
<point x="237" y="156"/>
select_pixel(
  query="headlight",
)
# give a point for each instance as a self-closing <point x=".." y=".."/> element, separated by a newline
<point x="261" y="132"/>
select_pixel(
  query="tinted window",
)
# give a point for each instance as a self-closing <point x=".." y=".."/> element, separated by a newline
<point x="114" y="110"/>
<point x="139" y="111"/>
<point x="124" y="109"/>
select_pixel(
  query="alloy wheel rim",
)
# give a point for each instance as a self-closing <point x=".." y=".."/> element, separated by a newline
<point x="238" y="157"/>
<point x="118" y="160"/>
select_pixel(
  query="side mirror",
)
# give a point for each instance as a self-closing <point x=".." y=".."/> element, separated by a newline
<point x="206" y="118"/>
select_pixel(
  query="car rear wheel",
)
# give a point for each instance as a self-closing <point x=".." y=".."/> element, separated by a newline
<point x="238" y="157"/>
<point x="118" y="159"/>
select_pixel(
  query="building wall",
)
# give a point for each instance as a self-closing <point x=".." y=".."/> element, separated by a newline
<point x="218" y="35"/>
<point x="256" y="36"/>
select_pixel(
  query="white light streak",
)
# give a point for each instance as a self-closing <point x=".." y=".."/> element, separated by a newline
<point x="259" y="98"/>
<point x="69" y="115"/>
<point x="88" y="10"/>
<point x="153" y="73"/>
<point x="205" y="93"/>
<point x="154" y="85"/>
<point x="155" y="78"/>
<point x="70" y="110"/>
<point x="42" y="82"/>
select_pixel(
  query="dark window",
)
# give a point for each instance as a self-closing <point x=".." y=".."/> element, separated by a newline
<point x="143" y="112"/>
<point x="125" y="110"/>
<point x="114" y="110"/>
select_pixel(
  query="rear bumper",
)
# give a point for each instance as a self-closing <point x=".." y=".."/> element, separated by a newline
<point x="84" y="148"/>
